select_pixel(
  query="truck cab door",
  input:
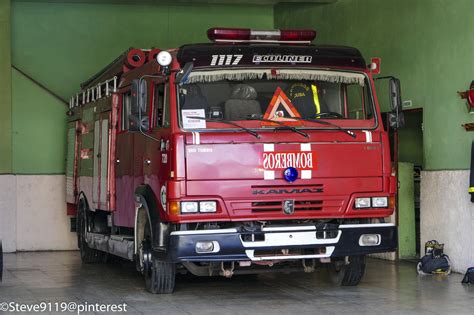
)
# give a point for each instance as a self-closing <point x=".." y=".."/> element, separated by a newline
<point x="124" y="155"/>
<point x="155" y="149"/>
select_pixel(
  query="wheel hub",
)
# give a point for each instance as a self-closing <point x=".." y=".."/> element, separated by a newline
<point x="145" y="257"/>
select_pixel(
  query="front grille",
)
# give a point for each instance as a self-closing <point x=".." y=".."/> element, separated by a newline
<point x="253" y="237"/>
<point x="327" y="234"/>
<point x="259" y="236"/>
<point x="300" y="205"/>
<point x="256" y="207"/>
<point x="289" y="252"/>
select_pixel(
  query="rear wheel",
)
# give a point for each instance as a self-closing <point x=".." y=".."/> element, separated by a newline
<point x="159" y="275"/>
<point x="88" y="255"/>
<point x="347" y="275"/>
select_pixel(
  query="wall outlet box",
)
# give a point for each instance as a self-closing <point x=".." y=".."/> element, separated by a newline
<point x="407" y="103"/>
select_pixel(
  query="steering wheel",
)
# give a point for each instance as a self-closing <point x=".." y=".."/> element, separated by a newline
<point x="329" y="114"/>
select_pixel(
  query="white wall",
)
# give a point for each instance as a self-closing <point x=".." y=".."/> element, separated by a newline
<point x="8" y="212"/>
<point x="34" y="207"/>
<point x="447" y="215"/>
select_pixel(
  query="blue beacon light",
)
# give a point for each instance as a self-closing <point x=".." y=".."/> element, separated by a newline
<point x="290" y="174"/>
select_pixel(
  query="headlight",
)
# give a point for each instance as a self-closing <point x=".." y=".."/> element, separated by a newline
<point x="362" y="203"/>
<point x="207" y="206"/>
<point x="369" y="240"/>
<point x="189" y="207"/>
<point x="379" y="202"/>
<point x="207" y="247"/>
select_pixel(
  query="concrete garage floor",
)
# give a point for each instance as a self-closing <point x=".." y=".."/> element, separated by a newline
<point x="388" y="288"/>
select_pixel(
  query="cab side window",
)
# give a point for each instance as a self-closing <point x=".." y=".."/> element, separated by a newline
<point x="161" y="105"/>
<point x="131" y="118"/>
<point x="126" y="110"/>
<point x="358" y="102"/>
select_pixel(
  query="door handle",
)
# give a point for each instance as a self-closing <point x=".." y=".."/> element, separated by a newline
<point x="147" y="162"/>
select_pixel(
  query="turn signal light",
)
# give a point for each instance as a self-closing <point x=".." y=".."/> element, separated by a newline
<point x="391" y="202"/>
<point x="174" y="207"/>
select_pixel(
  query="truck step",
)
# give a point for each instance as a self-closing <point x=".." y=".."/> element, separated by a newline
<point x="118" y="245"/>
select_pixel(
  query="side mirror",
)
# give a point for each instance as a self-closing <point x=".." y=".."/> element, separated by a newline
<point x="182" y="76"/>
<point x="396" y="120"/>
<point x="395" y="94"/>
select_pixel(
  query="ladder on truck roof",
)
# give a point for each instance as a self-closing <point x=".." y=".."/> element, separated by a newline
<point x="105" y="82"/>
<point x="102" y="89"/>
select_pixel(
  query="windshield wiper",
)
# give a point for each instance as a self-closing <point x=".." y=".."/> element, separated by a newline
<point x="253" y="133"/>
<point x="282" y="125"/>
<point x="327" y="123"/>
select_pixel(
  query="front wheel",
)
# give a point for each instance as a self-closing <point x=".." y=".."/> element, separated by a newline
<point x="159" y="275"/>
<point x="347" y="275"/>
<point x="160" y="278"/>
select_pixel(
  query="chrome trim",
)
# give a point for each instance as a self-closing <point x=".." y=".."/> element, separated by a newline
<point x="280" y="229"/>
<point x="292" y="239"/>
<point x="203" y="232"/>
<point x="288" y="228"/>
<point x="250" y="254"/>
<point x="351" y="226"/>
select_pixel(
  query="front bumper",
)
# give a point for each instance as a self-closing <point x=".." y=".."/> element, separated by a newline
<point x="282" y="243"/>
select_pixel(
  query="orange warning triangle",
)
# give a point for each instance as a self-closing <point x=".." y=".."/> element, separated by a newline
<point x="272" y="113"/>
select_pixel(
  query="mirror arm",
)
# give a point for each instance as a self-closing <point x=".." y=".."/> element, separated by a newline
<point x="183" y="74"/>
<point x="140" y="110"/>
<point x="386" y="77"/>
<point x="165" y="70"/>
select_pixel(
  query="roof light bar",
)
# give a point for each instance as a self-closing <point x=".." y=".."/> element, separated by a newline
<point x="218" y="34"/>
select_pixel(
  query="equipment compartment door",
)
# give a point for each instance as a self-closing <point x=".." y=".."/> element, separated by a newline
<point x="100" y="187"/>
<point x="71" y="162"/>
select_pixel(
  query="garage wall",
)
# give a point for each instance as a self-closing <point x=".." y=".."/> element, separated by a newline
<point x="61" y="44"/>
<point x="428" y="44"/>
<point x="448" y="217"/>
<point x="5" y="89"/>
<point x="64" y="44"/>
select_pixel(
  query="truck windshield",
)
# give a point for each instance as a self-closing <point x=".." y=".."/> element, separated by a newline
<point x="243" y="95"/>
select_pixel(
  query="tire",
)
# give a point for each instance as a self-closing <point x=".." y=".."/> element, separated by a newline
<point x="348" y="275"/>
<point x="159" y="275"/>
<point x="88" y="255"/>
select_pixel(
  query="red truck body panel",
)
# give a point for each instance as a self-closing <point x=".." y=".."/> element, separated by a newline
<point x="230" y="167"/>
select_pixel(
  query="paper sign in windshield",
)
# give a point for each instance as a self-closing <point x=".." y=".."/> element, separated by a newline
<point x="193" y="123"/>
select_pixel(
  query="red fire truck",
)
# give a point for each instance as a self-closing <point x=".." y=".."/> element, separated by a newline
<point x="256" y="152"/>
